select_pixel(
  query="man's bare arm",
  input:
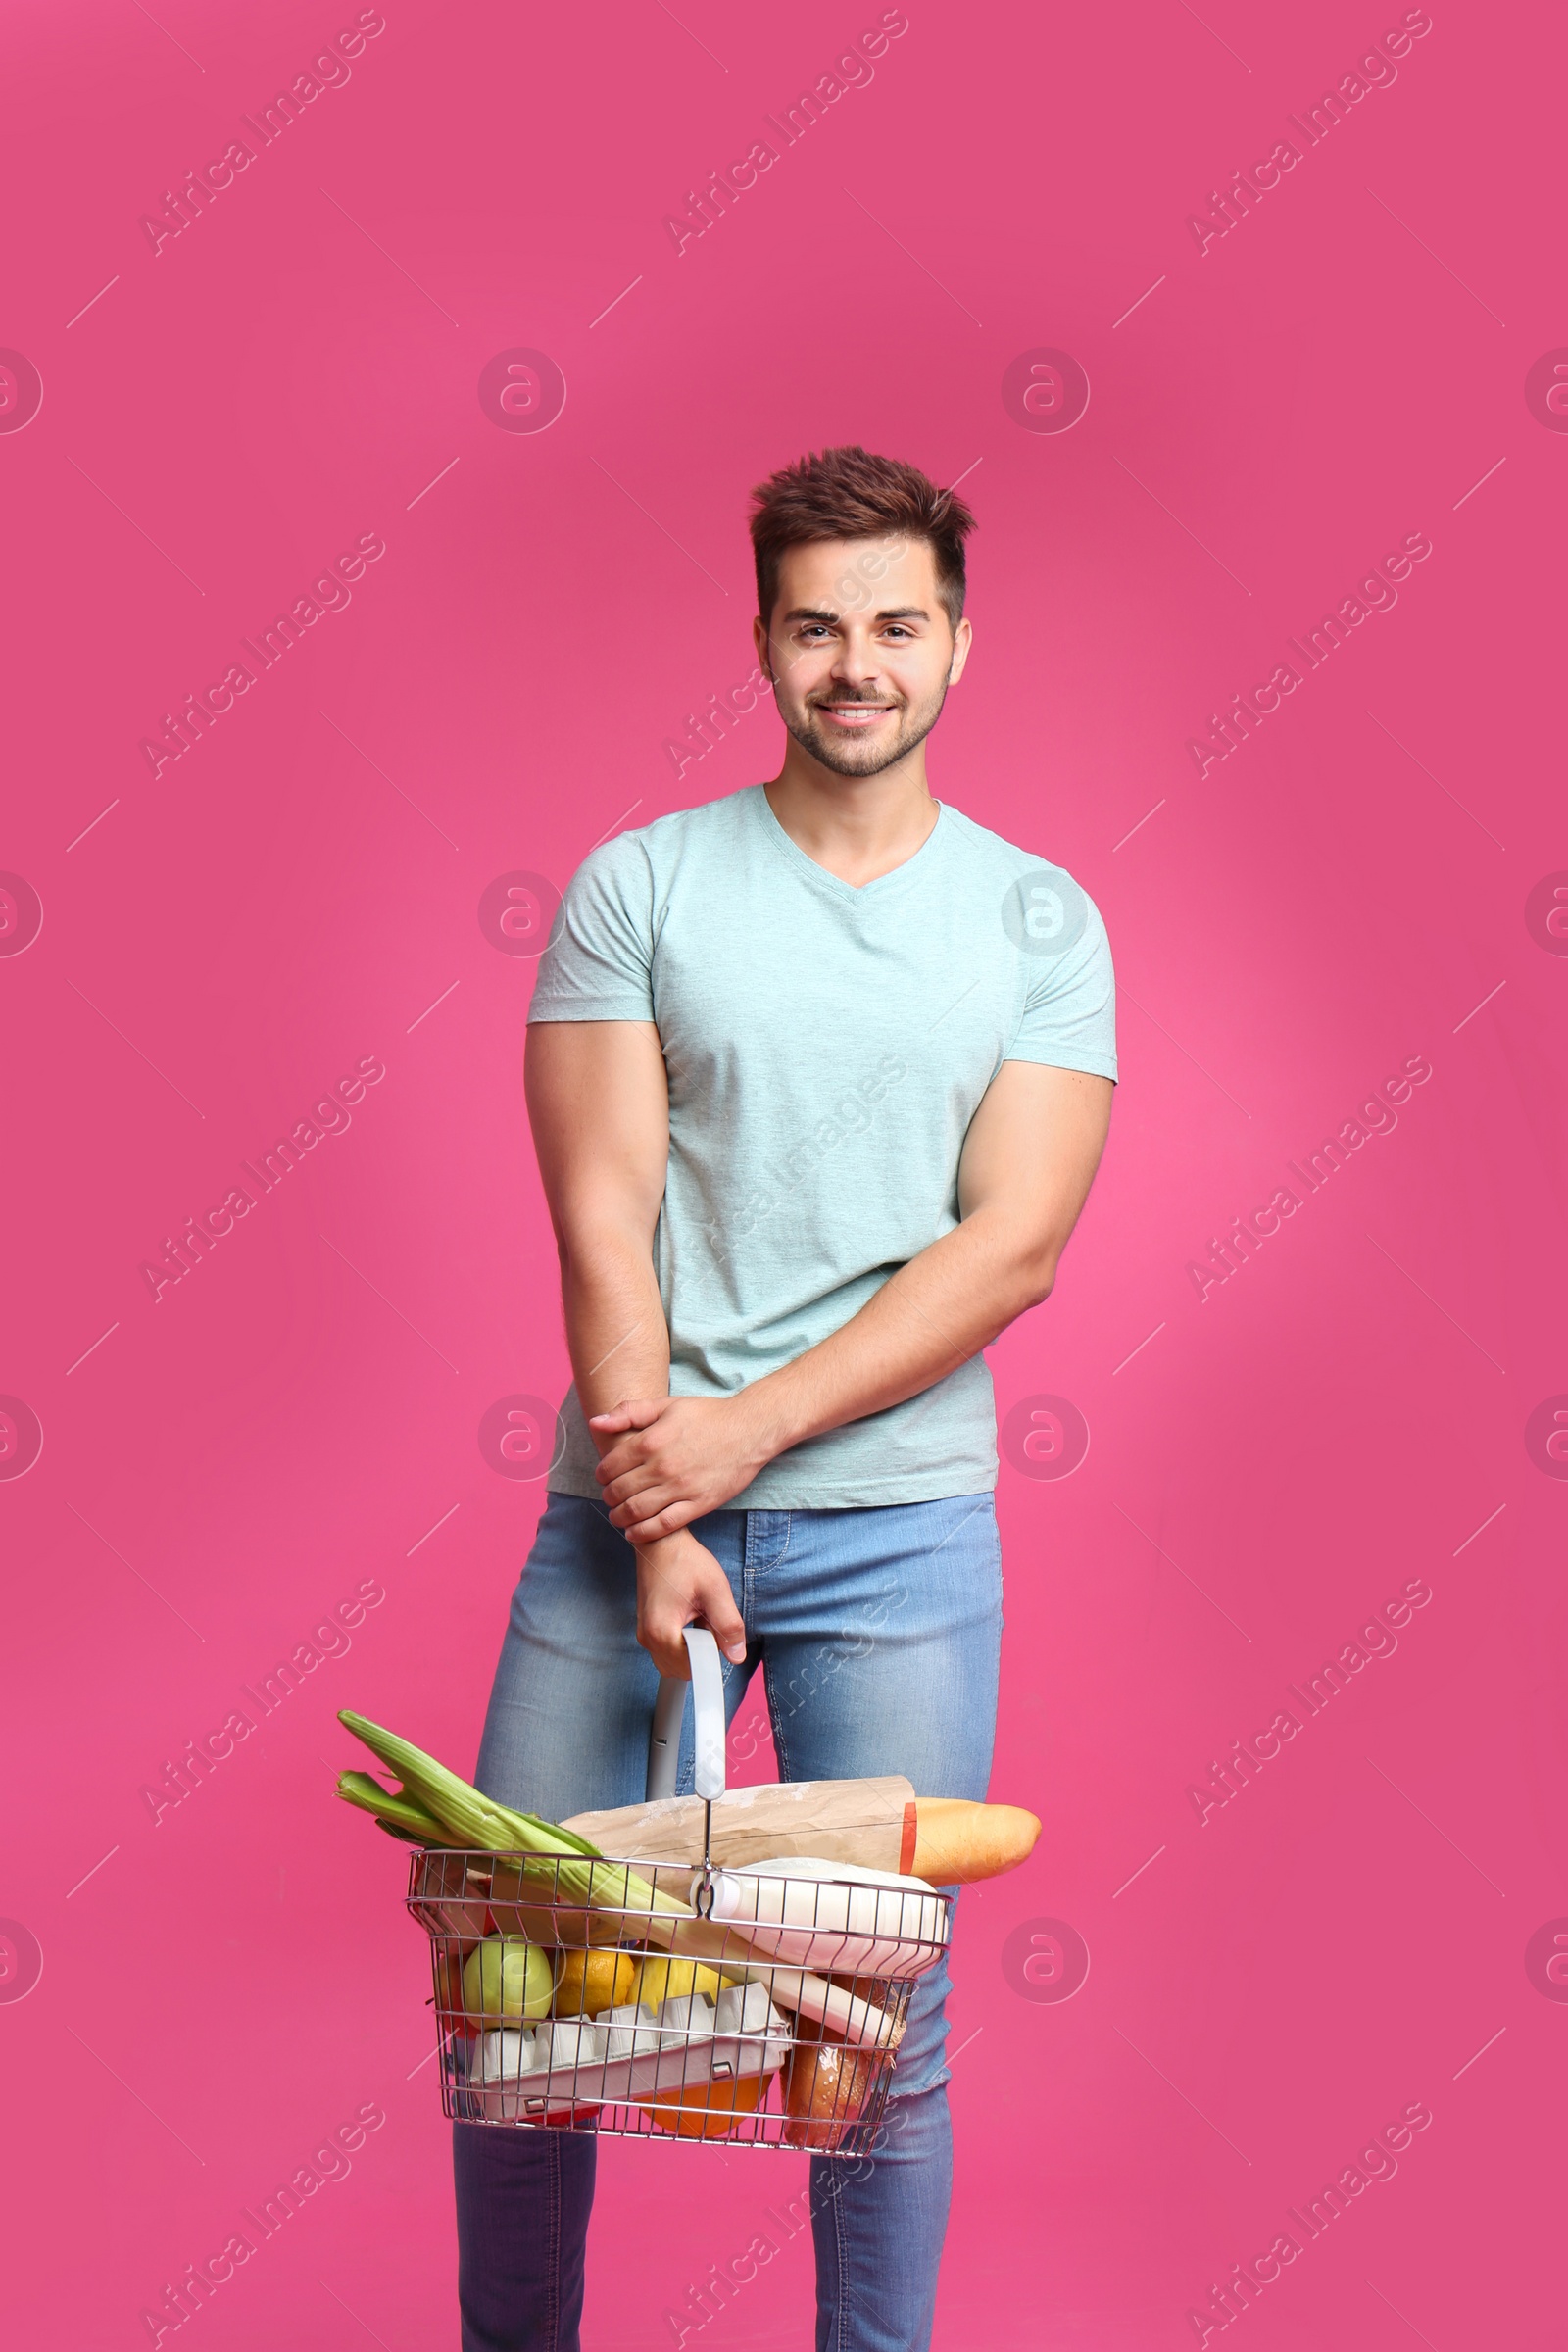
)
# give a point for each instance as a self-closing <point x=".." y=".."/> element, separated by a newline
<point x="599" y="1107"/>
<point x="1029" y="1160"/>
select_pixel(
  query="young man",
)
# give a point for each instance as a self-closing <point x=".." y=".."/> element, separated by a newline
<point x="819" y="1075"/>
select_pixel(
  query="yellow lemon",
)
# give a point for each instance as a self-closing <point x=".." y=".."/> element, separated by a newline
<point x="660" y="1979"/>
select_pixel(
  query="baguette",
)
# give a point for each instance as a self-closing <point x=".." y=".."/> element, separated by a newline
<point x="950" y="1842"/>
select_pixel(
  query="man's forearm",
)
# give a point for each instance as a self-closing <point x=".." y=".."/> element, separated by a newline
<point x="934" y="1315"/>
<point x="619" y="1344"/>
<point x="616" y="1329"/>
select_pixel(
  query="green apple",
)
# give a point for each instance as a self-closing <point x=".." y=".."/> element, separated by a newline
<point x="503" y="1979"/>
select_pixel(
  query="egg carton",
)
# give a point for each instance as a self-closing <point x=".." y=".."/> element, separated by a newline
<point x="629" y="2054"/>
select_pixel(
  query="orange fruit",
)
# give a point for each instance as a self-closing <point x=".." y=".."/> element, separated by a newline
<point x="707" y="2110"/>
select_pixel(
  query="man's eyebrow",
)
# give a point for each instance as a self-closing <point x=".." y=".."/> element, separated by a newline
<point x="887" y="612"/>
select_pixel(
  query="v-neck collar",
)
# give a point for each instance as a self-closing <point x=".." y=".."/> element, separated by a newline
<point x="880" y="886"/>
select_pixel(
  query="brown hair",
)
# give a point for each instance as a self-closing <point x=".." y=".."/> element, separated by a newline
<point x="847" y="493"/>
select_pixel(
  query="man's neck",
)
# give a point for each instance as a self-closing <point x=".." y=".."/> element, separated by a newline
<point x="857" y="827"/>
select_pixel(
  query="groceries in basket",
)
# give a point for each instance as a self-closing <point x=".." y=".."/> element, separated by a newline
<point x="827" y="2084"/>
<point x="878" y="1824"/>
<point x="674" y="1987"/>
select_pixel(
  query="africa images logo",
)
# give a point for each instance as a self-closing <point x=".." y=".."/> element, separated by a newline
<point x="1045" y="1960"/>
<point x="522" y="1437"/>
<point x="21" y="1960"/>
<point x="1044" y="1437"/>
<point x="21" y="915"/>
<point x="521" y="390"/>
<point x="1044" y="390"/>
<point x="20" y="1438"/>
<point x="21" y="391"/>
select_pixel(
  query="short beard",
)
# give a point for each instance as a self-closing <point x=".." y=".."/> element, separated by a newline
<point x="849" y="759"/>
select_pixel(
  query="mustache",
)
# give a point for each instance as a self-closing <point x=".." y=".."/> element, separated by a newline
<point x="851" y="702"/>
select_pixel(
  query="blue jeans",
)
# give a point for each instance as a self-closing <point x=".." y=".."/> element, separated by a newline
<point x="880" y="1631"/>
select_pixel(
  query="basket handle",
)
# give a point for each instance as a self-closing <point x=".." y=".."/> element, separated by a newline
<point x="669" y="1709"/>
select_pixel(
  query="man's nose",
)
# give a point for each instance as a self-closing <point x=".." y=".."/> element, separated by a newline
<point x="856" y="663"/>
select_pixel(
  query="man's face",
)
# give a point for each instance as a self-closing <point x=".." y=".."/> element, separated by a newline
<point x="859" y="650"/>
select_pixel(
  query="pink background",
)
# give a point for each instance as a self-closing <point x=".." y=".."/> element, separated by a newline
<point x="220" y="1469"/>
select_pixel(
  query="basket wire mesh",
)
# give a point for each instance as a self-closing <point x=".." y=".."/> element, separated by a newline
<point x="556" y="2014"/>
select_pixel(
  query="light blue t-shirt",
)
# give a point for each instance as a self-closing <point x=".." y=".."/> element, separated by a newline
<point x="827" y="1048"/>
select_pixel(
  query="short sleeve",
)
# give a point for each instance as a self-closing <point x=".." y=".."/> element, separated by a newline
<point x="597" y="964"/>
<point x="1069" y="1015"/>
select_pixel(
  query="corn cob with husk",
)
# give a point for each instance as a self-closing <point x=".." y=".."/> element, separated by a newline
<point x="399" y="1814"/>
<point x="599" y="1895"/>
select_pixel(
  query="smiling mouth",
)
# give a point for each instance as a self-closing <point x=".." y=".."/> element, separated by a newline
<point x="855" y="715"/>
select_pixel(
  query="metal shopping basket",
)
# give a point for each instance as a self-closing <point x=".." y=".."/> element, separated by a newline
<point x="773" y="2022"/>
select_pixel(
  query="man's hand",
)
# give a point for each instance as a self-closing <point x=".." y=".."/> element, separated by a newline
<point x="679" y="1582"/>
<point x="676" y="1457"/>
